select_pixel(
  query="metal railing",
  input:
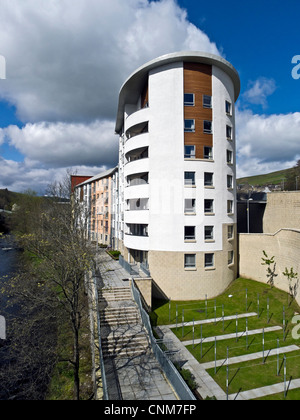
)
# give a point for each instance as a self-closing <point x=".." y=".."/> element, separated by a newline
<point x="176" y="380"/>
<point x="103" y="374"/>
<point x="128" y="267"/>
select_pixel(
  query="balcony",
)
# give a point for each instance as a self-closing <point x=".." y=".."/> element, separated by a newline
<point x="136" y="167"/>
<point x="136" y="242"/>
<point x="137" y="130"/>
<point x="137" y="216"/>
<point x="136" y="142"/>
<point x="137" y="154"/>
<point x="138" y="117"/>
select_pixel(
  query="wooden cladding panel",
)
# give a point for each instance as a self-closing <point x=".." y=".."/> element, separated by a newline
<point x="198" y="80"/>
<point x="145" y="95"/>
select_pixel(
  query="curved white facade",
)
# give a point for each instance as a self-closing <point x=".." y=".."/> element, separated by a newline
<point x="177" y="173"/>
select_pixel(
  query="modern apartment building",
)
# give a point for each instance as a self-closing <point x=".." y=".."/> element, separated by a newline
<point x="97" y="195"/>
<point x="177" y="189"/>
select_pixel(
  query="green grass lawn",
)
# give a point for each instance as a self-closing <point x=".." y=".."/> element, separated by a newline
<point x="241" y="297"/>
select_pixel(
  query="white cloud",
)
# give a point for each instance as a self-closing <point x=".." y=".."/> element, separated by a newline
<point x="66" y="144"/>
<point x="65" y="63"/>
<point x="66" y="60"/>
<point x="21" y="176"/>
<point x="259" y="90"/>
<point x="266" y="143"/>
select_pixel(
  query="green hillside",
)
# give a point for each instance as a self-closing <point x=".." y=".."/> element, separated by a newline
<point x="7" y="199"/>
<point x="273" y="178"/>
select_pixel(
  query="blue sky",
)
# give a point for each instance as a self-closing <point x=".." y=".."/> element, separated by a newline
<point x="66" y="62"/>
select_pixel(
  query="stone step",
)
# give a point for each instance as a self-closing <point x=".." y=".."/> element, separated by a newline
<point x="120" y="321"/>
<point x="119" y="315"/>
<point x="129" y="346"/>
<point x="112" y="295"/>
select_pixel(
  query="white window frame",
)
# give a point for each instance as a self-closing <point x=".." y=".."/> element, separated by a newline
<point x="190" y="264"/>
<point x="193" y="153"/>
<point x="211" y="210"/>
<point x="188" y="103"/>
<point x="187" y="208"/>
<point x="189" y="237"/>
<point x="205" y="130"/>
<point x="211" y="236"/>
<point x="228" y="105"/>
<point x="189" y="125"/>
<point x="207" y="105"/>
<point x="190" y="182"/>
<point x="209" y="264"/>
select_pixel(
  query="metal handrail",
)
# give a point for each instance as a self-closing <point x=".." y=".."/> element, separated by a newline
<point x="174" y="377"/>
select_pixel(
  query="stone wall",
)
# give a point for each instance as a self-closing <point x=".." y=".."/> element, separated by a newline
<point x="282" y="211"/>
<point x="177" y="283"/>
<point x="284" y="245"/>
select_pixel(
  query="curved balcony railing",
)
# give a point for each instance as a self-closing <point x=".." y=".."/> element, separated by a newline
<point x="136" y="242"/>
<point x="134" y="191"/>
<point x="136" y="142"/>
<point x="138" y="117"/>
<point x="137" y="216"/>
<point x="136" y="167"/>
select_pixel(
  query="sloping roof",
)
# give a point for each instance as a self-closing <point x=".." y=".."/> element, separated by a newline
<point x="101" y="175"/>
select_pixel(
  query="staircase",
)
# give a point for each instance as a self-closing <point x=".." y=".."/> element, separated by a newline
<point x="122" y="331"/>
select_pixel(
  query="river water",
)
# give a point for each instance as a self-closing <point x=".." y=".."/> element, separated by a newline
<point x="9" y="258"/>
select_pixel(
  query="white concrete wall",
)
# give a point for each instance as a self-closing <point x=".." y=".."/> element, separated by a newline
<point x="166" y="157"/>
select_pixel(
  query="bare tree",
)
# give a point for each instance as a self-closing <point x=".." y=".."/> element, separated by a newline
<point x="55" y="238"/>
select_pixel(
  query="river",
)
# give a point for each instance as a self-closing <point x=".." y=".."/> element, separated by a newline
<point x="9" y="263"/>
<point x="9" y="258"/>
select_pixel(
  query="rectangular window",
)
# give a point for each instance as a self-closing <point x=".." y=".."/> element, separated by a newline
<point x="189" y="178"/>
<point x="207" y="127"/>
<point x="189" y="126"/>
<point x="209" y="260"/>
<point x="229" y="156"/>
<point x="189" y="260"/>
<point x="207" y="101"/>
<point x="229" y="132"/>
<point x="208" y="179"/>
<point x="230" y="232"/>
<point x="228" y="108"/>
<point x="208" y="152"/>
<point x="229" y="206"/>
<point x="189" y="152"/>
<point x="208" y="206"/>
<point x="229" y="181"/>
<point x="190" y="205"/>
<point x="189" y="99"/>
<point x="230" y="257"/>
<point x="189" y="233"/>
<point x="208" y="233"/>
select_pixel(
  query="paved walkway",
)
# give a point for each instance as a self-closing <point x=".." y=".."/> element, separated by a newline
<point x="132" y="377"/>
<point x="214" y="320"/>
<point x="229" y="336"/>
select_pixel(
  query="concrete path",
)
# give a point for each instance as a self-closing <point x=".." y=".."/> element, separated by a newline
<point x="130" y="375"/>
<point x="214" y="320"/>
<point x="265" y="391"/>
<point x="230" y="336"/>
